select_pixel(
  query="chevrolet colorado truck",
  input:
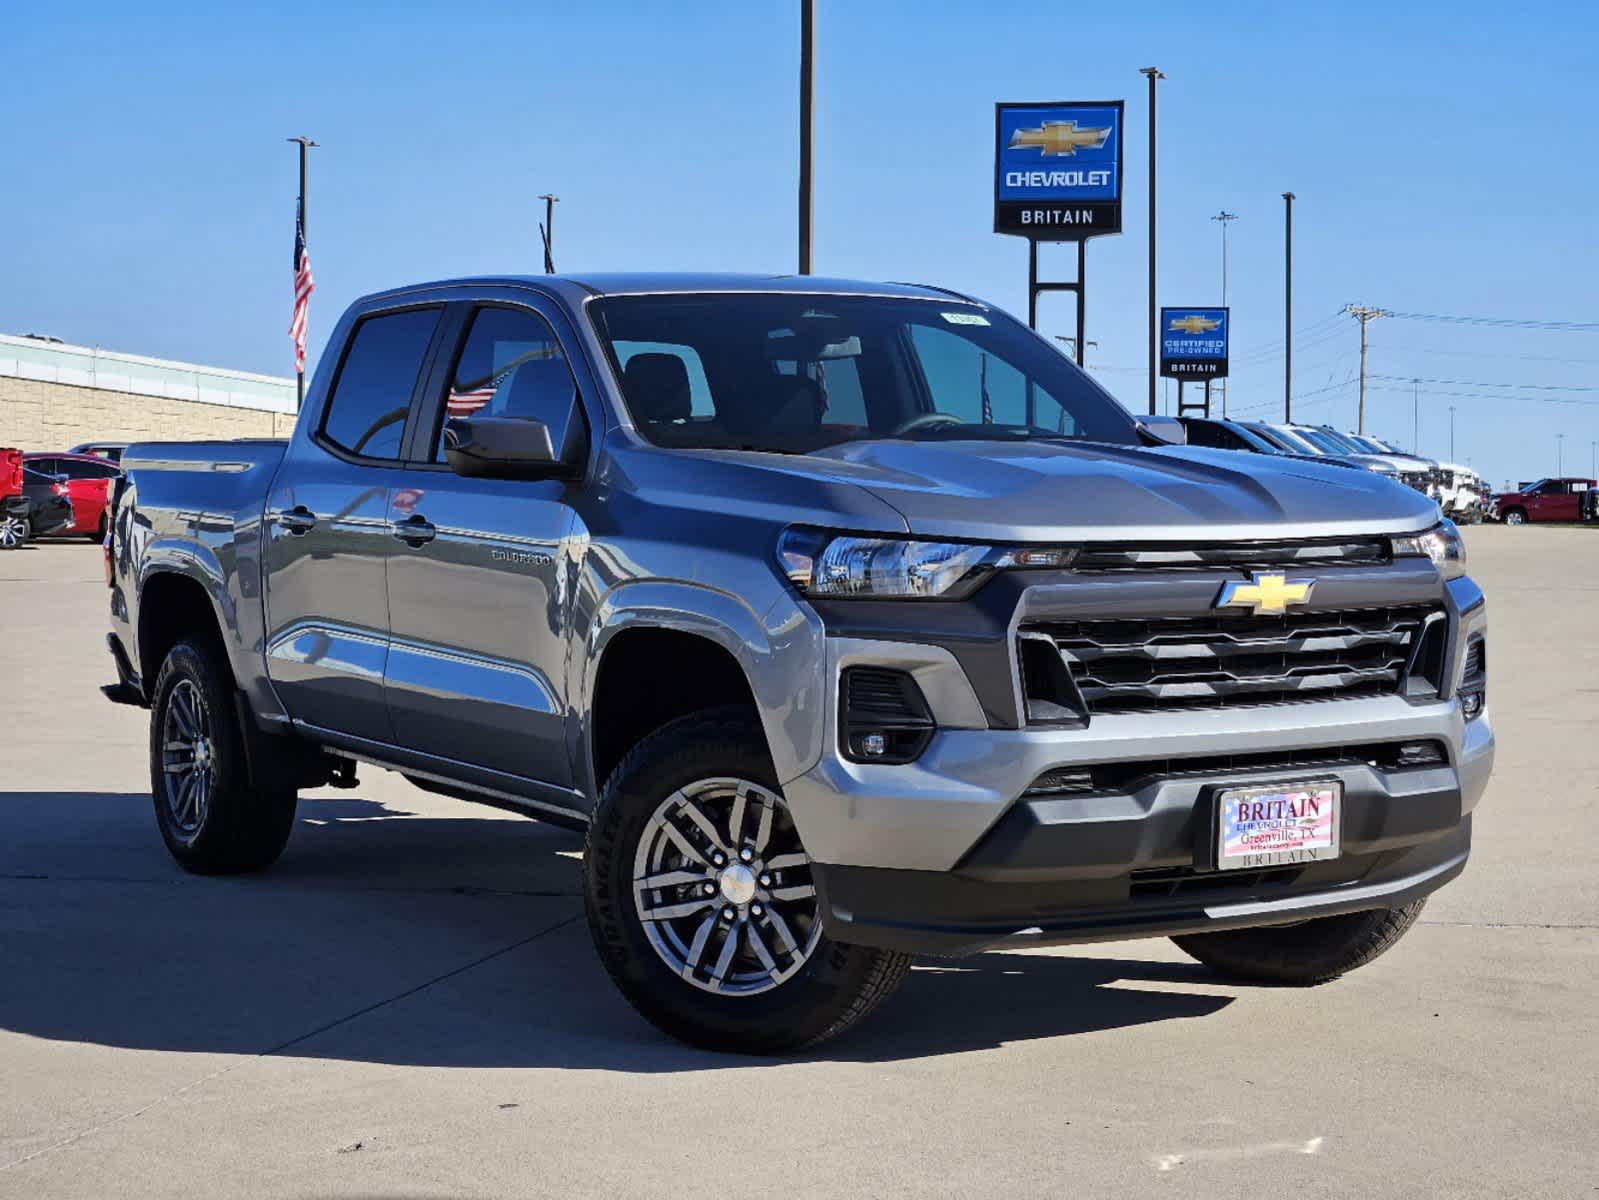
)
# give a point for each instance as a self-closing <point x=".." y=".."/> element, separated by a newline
<point x="851" y="621"/>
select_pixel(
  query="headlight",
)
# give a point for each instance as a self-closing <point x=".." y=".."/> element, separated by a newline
<point x="1442" y="543"/>
<point x="883" y="568"/>
<point x="1383" y="468"/>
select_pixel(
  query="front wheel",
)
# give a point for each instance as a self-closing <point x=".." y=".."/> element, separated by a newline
<point x="1308" y="953"/>
<point x="211" y="818"/>
<point x="701" y="903"/>
<point x="13" y="530"/>
<point x="1515" y="517"/>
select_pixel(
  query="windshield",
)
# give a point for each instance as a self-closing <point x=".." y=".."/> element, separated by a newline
<point x="1343" y="444"/>
<point x="1275" y="438"/>
<point x="1321" y="442"/>
<point x="1369" y="445"/>
<point x="795" y="373"/>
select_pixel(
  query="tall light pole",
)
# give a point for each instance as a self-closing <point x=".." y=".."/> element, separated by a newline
<point x="1224" y="219"/>
<point x="1365" y="316"/>
<point x="1593" y="460"/>
<point x="807" y="131"/>
<point x="1451" y="433"/>
<point x="1560" y="455"/>
<point x="547" y="231"/>
<point x="1152" y="74"/>
<point x="1288" y="307"/>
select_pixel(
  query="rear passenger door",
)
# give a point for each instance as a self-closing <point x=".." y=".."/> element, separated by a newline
<point x="480" y="582"/>
<point x="328" y="540"/>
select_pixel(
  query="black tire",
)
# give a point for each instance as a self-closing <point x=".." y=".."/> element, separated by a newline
<point x="98" y="536"/>
<point x="836" y="987"/>
<point x="1309" y="953"/>
<point x="242" y="828"/>
<point x="1514" y="516"/>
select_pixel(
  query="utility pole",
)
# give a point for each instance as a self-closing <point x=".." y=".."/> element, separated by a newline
<point x="305" y="144"/>
<point x="547" y="232"/>
<point x="1224" y="219"/>
<point x="1152" y="74"/>
<point x="1288" y="307"/>
<point x="807" y="132"/>
<point x="1365" y="316"/>
<point x="1415" y="412"/>
<point x="1082" y="359"/>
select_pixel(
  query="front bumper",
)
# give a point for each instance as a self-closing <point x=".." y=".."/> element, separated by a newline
<point x="1131" y="865"/>
<point x="951" y="853"/>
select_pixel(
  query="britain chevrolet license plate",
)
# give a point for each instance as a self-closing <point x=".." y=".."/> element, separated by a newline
<point x="1278" y="825"/>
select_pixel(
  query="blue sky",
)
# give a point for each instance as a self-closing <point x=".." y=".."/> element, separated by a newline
<point x="1442" y="155"/>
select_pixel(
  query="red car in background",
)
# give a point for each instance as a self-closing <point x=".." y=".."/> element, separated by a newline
<point x="88" y="481"/>
<point x="1567" y="499"/>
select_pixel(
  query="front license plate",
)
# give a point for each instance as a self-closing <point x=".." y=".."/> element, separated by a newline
<point x="1278" y="825"/>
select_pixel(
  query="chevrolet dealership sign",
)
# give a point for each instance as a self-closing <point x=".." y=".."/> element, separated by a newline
<point x="1058" y="170"/>
<point x="1193" y="343"/>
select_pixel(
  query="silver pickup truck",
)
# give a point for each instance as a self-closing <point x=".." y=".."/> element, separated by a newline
<point x="852" y="621"/>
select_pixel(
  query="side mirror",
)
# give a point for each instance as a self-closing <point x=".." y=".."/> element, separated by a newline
<point x="514" y="447"/>
<point x="1163" y="431"/>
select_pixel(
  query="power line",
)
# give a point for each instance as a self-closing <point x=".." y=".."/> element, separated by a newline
<point x="1520" y="387"/>
<point x="1502" y="322"/>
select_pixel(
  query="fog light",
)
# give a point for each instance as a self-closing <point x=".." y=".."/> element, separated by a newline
<point x="1471" y="704"/>
<point x="875" y="745"/>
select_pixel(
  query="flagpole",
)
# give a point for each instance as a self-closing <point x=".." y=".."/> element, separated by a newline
<point x="305" y="144"/>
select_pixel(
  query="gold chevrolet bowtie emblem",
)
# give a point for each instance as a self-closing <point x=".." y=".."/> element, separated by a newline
<point x="1265" y="593"/>
<point x="1059" y="138"/>
<point x="1193" y="324"/>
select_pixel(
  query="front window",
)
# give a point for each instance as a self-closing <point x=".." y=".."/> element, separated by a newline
<point x="796" y="373"/>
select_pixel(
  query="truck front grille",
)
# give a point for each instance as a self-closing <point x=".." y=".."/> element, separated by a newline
<point x="1219" y="661"/>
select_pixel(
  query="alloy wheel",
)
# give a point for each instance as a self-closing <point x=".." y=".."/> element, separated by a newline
<point x="188" y="758"/>
<point x="723" y="888"/>
<point x="13" y="531"/>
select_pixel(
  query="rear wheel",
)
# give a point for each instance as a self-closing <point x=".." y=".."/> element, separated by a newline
<point x="701" y="903"/>
<point x="211" y="818"/>
<point x="1308" y="953"/>
<point x="98" y="535"/>
<point x="13" y="530"/>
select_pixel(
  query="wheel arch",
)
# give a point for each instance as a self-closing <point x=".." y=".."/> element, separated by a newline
<point x="173" y="604"/>
<point x="699" y="648"/>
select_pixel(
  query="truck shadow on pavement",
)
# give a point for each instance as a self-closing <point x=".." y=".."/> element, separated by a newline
<point x="390" y="937"/>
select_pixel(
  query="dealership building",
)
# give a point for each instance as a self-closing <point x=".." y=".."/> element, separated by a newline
<point x="54" y="396"/>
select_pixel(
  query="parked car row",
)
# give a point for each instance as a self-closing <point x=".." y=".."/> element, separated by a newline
<point x="1460" y="492"/>
<point x="55" y="495"/>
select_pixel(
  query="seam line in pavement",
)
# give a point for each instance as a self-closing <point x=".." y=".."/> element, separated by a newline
<point x="1511" y="925"/>
<point x="294" y="1041"/>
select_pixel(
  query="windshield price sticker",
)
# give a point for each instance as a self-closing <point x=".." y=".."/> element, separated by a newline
<point x="963" y="318"/>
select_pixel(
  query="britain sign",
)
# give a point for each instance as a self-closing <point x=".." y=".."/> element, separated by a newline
<point x="1193" y="343"/>
<point x="1058" y="170"/>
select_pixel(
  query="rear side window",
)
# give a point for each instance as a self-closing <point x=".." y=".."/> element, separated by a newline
<point x="74" y="468"/>
<point x="510" y="366"/>
<point x="372" y="395"/>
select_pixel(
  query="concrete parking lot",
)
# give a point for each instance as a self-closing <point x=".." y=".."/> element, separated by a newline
<point x="407" y="1004"/>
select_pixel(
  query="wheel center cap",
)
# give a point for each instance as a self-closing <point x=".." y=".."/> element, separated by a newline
<point x="738" y="884"/>
<point x="202" y="753"/>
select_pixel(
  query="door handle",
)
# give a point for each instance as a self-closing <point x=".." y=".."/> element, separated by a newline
<point x="299" y="520"/>
<point x="414" y="531"/>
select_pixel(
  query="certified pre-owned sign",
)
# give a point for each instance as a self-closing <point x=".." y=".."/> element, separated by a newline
<point x="1193" y="343"/>
<point x="1058" y="170"/>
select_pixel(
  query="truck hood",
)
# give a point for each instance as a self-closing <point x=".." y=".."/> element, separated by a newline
<point x="1049" y="491"/>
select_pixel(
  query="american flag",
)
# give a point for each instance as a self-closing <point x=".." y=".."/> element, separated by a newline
<point x="304" y="285"/>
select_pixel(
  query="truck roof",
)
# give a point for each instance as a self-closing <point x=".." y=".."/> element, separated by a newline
<point x="578" y="287"/>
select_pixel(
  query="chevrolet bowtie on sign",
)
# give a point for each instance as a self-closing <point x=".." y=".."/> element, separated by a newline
<point x="1058" y="170"/>
<point x="1266" y="593"/>
<point x="1193" y="343"/>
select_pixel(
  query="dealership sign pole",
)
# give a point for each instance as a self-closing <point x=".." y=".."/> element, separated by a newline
<point x="1058" y="178"/>
<point x="1193" y="345"/>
